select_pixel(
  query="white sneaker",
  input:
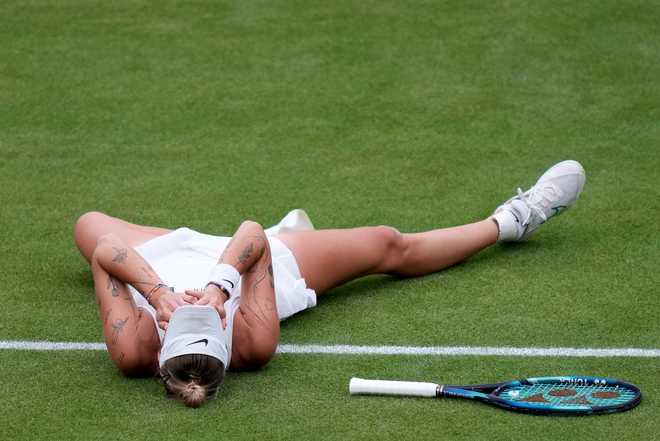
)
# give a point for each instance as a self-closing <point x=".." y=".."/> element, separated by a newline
<point x="556" y="190"/>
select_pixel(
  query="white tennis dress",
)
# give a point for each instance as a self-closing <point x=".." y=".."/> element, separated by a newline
<point x="184" y="258"/>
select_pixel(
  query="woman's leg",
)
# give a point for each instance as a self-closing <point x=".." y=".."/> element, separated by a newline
<point x="91" y="226"/>
<point x="328" y="258"/>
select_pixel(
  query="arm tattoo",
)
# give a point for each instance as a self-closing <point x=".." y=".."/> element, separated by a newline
<point x="117" y="328"/>
<point x="246" y="253"/>
<point x="264" y="303"/>
<point x="112" y="286"/>
<point x="121" y="255"/>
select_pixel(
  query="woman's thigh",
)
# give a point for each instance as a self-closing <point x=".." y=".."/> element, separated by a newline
<point x="329" y="258"/>
<point x="90" y="226"/>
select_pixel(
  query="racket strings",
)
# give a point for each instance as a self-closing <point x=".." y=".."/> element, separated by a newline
<point x="567" y="395"/>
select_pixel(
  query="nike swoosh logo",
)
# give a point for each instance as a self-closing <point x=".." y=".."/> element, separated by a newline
<point x="204" y="340"/>
<point x="229" y="281"/>
<point x="558" y="209"/>
<point x="516" y="217"/>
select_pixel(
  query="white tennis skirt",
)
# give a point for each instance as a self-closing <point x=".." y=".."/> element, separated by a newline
<point x="184" y="258"/>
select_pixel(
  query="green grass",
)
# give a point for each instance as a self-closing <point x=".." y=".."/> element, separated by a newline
<point x="413" y="114"/>
<point x="298" y="397"/>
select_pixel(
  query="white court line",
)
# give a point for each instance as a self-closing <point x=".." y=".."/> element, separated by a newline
<point x="468" y="350"/>
<point x="380" y="350"/>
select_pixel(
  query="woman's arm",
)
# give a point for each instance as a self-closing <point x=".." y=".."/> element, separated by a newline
<point x="256" y="323"/>
<point x="123" y="263"/>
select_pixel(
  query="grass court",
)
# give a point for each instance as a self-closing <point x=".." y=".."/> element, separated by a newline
<point x="416" y="114"/>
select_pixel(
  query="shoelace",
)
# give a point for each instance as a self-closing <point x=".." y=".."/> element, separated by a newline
<point x="535" y="197"/>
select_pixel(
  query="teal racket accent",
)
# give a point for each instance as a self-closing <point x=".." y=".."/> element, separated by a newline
<point x="569" y="395"/>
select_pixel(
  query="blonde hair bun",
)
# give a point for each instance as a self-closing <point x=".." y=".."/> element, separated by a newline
<point x="193" y="395"/>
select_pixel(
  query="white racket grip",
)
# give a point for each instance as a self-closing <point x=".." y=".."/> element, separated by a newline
<point x="383" y="387"/>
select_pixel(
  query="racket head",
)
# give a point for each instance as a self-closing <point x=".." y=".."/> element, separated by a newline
<point x="566" y="395"/>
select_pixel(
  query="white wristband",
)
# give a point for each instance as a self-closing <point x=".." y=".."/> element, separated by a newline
<point x="226" y="276"/>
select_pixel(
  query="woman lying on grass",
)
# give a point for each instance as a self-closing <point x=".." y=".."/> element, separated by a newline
<point x="188" y="306"/>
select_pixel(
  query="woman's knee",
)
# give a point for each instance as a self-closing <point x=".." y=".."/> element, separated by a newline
<point x="394" y="248"/>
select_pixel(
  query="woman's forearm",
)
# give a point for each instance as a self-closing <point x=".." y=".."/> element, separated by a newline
<point x="246" y="247"/>
<point x="124" y="263"/>
<point x="256" y="326"/>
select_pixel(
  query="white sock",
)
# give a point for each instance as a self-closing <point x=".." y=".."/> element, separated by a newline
<point x="506" y="224"/>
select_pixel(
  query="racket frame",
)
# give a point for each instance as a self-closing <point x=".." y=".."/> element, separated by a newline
<point x="488" y="393"/>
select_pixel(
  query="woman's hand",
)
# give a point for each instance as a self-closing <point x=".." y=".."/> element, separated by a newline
<point x="166" y="303"/>
<point x="211" y="296"/>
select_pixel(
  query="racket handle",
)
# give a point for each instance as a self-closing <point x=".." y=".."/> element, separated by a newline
<point x="382" y="387"/>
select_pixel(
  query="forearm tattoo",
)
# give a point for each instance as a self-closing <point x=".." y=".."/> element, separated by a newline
<point x="121" y="254"/>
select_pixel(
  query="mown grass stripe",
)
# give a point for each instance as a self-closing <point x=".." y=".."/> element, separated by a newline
<point x="379" y="350"/>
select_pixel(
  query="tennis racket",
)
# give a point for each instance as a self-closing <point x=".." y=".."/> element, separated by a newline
<point x="544" y="395"/>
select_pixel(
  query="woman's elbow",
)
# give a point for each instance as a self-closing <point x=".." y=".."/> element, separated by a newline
<point x="262" y="352"/>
